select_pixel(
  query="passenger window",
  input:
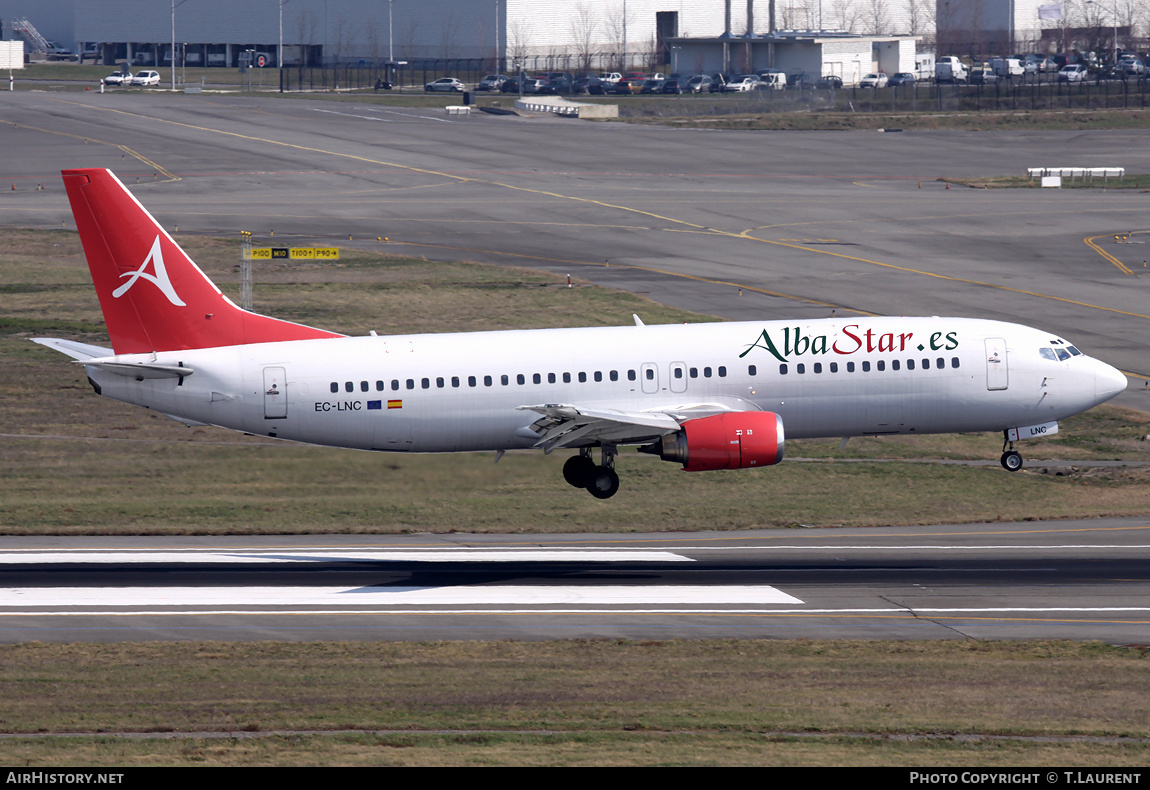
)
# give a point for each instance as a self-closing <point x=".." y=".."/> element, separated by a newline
<point x="363" y="386"/>
<point x="349" y="386"/>
<point x="818" y="367"/>
<point x="850" y="367"/>
<point x="504" y="380"/>
<point x="411" y="384"/>
<point x="694" y="373"/>
<point x="614" y="375"/>
<point x="519" y="379"/>
<point x="536" y="378"/>
<point x="550" y="378"/>
<point x="335" y="386"/>
<point x="752" y="370"/>
<point x="910" y="364"/>
<point x="880" y="365"/>
<point x="379" y="386"/>
<point x="954" y="362"/>
<point x="650" y="374"/>
<point x="722" y="371"/>
<point x="566" y="378"/>
<point x="455" y="381"/>
<point x="582" y="377"/>
<point x="800" y="368"/>
<point x="834" y="367"/>
<point x="487" y="381"/>
<point x="395" y="384"/>
<point x="426" y="383"/>
<point x="782" y="370"/>
<point x="630" y="375"/>
<point x="866" y="367"/>
<point x="598" y="375"/>
<point x="439" y="382"/>
<point x="471" y="381"/>
<point x="706" y="373"/>
<point x="894" y="365"/>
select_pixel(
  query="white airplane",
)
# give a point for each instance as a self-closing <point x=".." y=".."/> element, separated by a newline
<point x="708" y="396"/>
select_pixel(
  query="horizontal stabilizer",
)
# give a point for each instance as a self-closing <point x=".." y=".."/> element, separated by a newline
<point x="73" y="349"/>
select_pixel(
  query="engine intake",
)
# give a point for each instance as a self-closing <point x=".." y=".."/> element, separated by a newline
<point x="732" y="440"/>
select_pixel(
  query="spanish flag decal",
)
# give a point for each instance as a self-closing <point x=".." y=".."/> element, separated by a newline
<point x="395" y="404"/>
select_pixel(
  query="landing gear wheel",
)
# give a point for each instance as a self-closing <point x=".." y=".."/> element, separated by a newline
<point x="602" y="482"/>
<point x="577" y="470"/>
<point x="1011" y="461"/>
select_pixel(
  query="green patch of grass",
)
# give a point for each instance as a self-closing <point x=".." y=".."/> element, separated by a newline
<point x="599" y="702"/>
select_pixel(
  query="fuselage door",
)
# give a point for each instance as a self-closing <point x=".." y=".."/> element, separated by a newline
<point x="649" y="377"/>
<point x="275" y="393"/>
<point x="997" y="370"/>
<point x="678" y="376"/>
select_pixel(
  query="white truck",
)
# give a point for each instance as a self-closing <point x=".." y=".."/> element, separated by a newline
<point x="949" y="68"/>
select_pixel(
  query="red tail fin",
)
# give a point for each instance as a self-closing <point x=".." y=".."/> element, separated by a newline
<point x="153" y="296"/>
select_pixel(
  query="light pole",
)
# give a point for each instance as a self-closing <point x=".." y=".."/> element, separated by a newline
<point x="175" y="5"/>
<point x="280" y="51"/>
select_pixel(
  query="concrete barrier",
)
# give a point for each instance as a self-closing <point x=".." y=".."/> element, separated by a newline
<point x="560" y="106"/>
<point x="458" y="109"/>
<point x="1085" y="173"/>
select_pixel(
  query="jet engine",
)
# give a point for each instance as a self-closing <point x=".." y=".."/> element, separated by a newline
<point x="732" y="440"/>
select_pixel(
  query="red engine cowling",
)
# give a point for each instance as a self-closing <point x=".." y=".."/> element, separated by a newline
<point x="733" y="440"/>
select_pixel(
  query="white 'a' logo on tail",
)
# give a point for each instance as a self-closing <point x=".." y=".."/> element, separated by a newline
<point x="160" y="278"/>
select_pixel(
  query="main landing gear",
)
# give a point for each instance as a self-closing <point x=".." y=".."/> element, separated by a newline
<point x="1011" y="461"/>
<point x="581" y="472"/>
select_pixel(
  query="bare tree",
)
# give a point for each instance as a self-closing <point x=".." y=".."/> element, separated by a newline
<point x="845" y="14"/>
<point x="584" y="25"/>
<point x="876" y="17"/>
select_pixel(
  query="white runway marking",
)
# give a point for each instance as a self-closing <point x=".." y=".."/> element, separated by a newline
<point x="75" y="599"/>
<point x="335" y="555"/>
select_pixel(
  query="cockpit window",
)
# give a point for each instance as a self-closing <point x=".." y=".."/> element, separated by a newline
<point x="1048" y="353"/>
<point x="1062" y="353"/>
<point x="1073" y="351"/>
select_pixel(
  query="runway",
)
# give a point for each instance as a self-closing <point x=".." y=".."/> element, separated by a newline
<point x="1059" y="580"/>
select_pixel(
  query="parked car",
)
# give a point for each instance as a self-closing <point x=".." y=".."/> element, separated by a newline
<point x="743" y="83"/>
<point x="557" y="84"/>
<point x="830" y="81"/>
<point x="675" y="83"/>
<point x="1132" y="65"/>
<point x="510" y="85"/>
<point x="902" y="78"/>
<point x="622" y="88"/>
<point x="492" y="82"/>
<point x="697" y="84"/>
<point x="874" y="80"/>
<point x="982" y="76"/>
<point x="597" y="86"/>
<point x="119" y="78"/>
<point x="651" y="86"/>
<point x="444" y="84"/>
<point x="610" y="77"/>
<point x="1072" y="72"/>
<point x="718" y="83"/>
<point x="146" y="78"/>
<point x="533" y="84"/>
<point x="801" y="81"/>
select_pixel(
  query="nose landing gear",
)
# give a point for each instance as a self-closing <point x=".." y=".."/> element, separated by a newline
<point x="1011" y="460"/>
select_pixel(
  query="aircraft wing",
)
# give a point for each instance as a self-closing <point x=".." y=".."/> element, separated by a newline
<point x="564" y="425"/>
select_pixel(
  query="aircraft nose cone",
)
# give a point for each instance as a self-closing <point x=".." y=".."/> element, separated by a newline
<point x="1108" y="382"/>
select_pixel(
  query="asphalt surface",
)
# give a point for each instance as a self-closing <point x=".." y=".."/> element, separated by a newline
<point x="1067" y="580"/>
<point x="742" y="225"/>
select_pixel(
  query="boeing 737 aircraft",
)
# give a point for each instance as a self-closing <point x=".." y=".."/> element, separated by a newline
<point x="707" y="396"/>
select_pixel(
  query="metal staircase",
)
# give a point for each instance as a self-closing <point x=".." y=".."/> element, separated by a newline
<point x="27" y="31"/>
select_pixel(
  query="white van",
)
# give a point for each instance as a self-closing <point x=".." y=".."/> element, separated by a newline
<point x="773" y="80"/>
<point x="949" y="68"/>
<point x="1007" y="68"/>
